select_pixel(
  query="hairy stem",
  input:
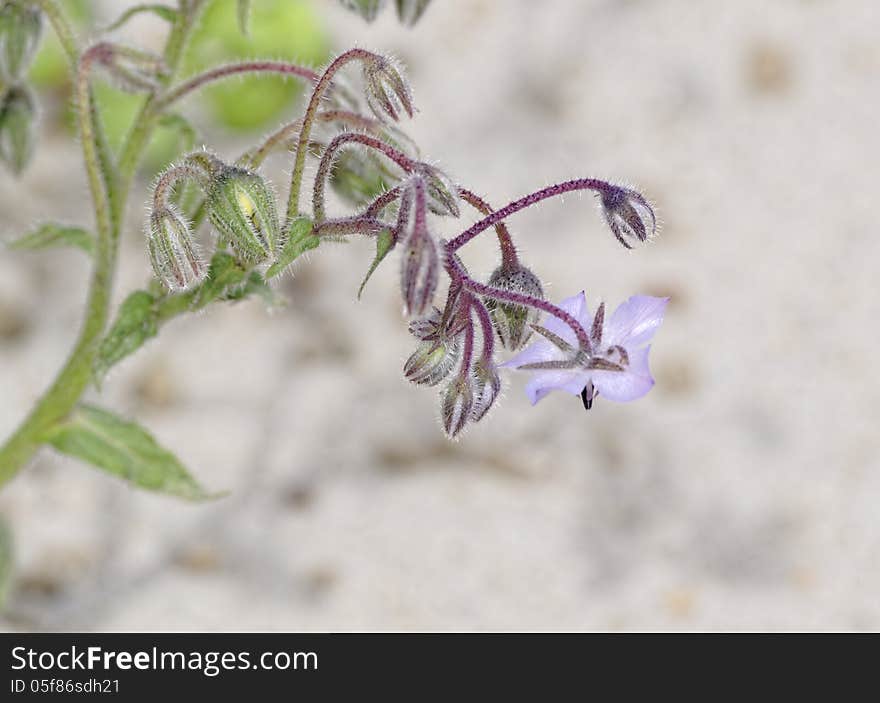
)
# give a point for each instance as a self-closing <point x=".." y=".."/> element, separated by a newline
<point x="505" y="241"/>
<point x="233" y="69"/>
<point x="458" y="275"/>
<point x="527" y="201"/>
<point x="109" y="203"/>
<point x="302" y="143"/>
<point x="338" y="142"/>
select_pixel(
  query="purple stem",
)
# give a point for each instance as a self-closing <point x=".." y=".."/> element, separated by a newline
<point x="455" y="272"/>
<point x="527" y="201"/>
<point x="508" y="250"/>
<point x="398" y="157"/>
<point x="232" y="69"/>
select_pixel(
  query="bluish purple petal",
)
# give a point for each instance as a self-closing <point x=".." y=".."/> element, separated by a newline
<point x="635" y="321"/>
<point x="538" y="351"/>
<point x="576" y="306"/>
<point x="623" y="386"/>
<point x="571" y="381"/>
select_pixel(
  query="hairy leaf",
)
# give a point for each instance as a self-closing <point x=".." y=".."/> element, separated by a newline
<point x="135" y="323"/>
<point x="55" y="235"/>
<point x="384" y="244"/>
<point x="300" y="240"/>
<point x="124" y="449"/>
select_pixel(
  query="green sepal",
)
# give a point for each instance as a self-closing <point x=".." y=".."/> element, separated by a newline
<point x="300" y="240"/>
<point x="384" y="244"/>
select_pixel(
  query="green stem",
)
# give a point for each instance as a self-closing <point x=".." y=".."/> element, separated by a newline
<point x="302" y="144"/>
<point x="72" y="380"/>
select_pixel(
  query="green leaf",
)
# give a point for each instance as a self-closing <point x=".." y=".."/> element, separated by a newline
<point x="54" y="235"/>
<point x="300" y="240"/>
<point x="136" y="322"/>
<point x="169" y="14"/>
<point x="384" y="244"/>
<point x="255" y="285"/>
<point x="225" y="274"/>
<point x="7" y="559"/>
<point x="124" y="449"/>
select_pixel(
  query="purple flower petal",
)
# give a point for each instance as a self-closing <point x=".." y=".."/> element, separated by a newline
<point x="576" y="306"/>
<point x="635" y="321"/>
<point x="571" y="381"/>
<point x="623" y="386"/>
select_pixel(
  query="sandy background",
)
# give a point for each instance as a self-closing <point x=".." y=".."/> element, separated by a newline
<point x="742" y="493"/>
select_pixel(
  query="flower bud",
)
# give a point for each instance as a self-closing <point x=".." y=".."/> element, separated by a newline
<point x="17" y="128"/>
<point x="241" y="207"/>
<point x="442" y="193"/>
<point x="386" y="89"/>
<point x="429" y="327"/>
<point x="487" y="387"/>
<point x="358" y="176"/>
<point x="457" y="405"/>
<point x="420" y="272"/>
<point x="367" y="9"/>
<point x="173" y="253"/>
<point x="628" y="215"/>
<point x="513" y="322"/>
<point x="20" y="28"/>
<point x="432" y="361"/>
<point x="410" y="11"/>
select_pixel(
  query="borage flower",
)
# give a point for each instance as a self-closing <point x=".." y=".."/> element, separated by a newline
<point x="617" y="365"/>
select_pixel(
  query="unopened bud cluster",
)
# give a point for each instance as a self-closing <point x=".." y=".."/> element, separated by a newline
<point x="458" y="321"/>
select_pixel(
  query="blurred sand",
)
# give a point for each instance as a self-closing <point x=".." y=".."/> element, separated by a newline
<point x="742" y="493"/>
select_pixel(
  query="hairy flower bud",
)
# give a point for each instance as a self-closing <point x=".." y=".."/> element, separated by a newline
<point x="410" y="11"/>
<point x="513" y="322"/>
<point x="432" y="361"/>
<point x="17" y="128"/>
<point x="628" y="215"/>
<point x="487" y="387"/>
<point x="21" y="25"/>
<point x="359" y="177"/>
<point x="173" y="253"/>
<point x="368" y="9"/>
<point x="420" y="272"/>
<point x="441" y="191"/>
<point x="386" y="89"/>
<point x="241" y="206"/>
<point x="457" y="405"/>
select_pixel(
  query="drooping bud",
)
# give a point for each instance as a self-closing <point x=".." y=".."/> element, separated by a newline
<point x="241" y="206"/>
<point x="359" y="177"/>
<point x="410" y="11"/>
<point x="457" y="405"/>
<point x="173" y="253"/>
<point x="21" y="26"/>
<point x="513" y="322"/>
<point x="17" y="128"/>
<point x="420" y="263"/>
<point x="368" y="9"/>
<point x="432" y="361"/>
<point x="386" y="89"/>
<point x="420" y="273"/>
<point x="487" y="387"/>
<point x="132" y="70"/>
<point x="443" y="197"/>
<point x="628" y="214"/>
